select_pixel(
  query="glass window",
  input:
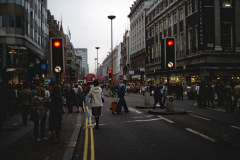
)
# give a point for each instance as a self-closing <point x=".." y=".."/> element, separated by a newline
<point x="10" y="21"/>
<point x="226" y="3"/>
<point x="18" y="22"/>
<point x="4" y="21"/>
<point x="189" y="8"/>
<point x="10" y="1"/>
<point x="19" y="2"/>
<point x="227" y="37"/>
<point x="2" y="1"/>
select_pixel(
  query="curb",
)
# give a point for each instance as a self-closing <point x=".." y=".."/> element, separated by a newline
<point x="73" y="141"/>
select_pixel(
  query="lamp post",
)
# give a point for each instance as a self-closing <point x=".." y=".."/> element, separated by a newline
<point x="111" y="17"/>
<point x="95" y="64"/>
<point x="97" y="59"/>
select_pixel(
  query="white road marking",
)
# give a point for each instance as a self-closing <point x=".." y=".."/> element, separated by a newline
<point x="143" y="120"/>
<point x="236" y="127"/>
<point x="200" y="117"/>
<point x="165" y="119"/>
<point x="134" y="110"/>
<point x="142" y="117"/>
<point x="200" y="134"/>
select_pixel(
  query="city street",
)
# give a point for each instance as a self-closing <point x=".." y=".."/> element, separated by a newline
<point x="200" y="134"/>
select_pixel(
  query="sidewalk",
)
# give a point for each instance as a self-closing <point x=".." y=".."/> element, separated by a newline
<point x="18" y="143"/>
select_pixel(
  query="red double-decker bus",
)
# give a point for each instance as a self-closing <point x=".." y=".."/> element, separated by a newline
<point x="89" y="78"/>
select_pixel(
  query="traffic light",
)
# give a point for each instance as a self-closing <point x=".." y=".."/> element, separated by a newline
<point x="110" y="74"/>
<point x="57" y="54"/>
<point x="170" y="54"/>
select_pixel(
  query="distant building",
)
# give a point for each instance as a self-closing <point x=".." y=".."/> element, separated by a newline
<point x="23" y="39"/>
<point x="83" y="52"/>
<point x="137" y="40"/>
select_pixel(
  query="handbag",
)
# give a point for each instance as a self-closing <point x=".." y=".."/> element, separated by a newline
<point x="102" y="100"/>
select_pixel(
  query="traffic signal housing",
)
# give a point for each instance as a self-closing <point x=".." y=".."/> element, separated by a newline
<point x="170" y="54"/>
<point x="109" y="74"/>
<point x="57" y="54"/>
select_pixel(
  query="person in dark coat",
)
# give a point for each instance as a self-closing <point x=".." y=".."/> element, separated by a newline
<point x="80" y="98"/>
<point x="55" y="115"/>
<point x="70" y="98"/>
<point x="122" y="102"/>
<point x="210" y="95"/>
<point x="157" y="96"/>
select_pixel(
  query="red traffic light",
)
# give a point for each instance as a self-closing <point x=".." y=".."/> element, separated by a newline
<point x="110" y="71"/>
<point x="57" y="43"/>
<point x="170" y="43"/>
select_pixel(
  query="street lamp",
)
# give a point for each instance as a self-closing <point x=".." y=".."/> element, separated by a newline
<point x="95" y="64"/>
<point x="111" y="17"/>
<point x="97" y="59"/>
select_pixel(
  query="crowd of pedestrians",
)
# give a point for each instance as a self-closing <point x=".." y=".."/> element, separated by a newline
<point x="41" y="104"/>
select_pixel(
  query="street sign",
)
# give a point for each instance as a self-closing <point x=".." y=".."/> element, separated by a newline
<point x="57" y="69"/>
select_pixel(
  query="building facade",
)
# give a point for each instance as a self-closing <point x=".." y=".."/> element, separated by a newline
<point x="137" y="47"/>
<point x="206" y="36"/>
<point x="84" y="54"/>
<point x="23" y="39"/>
<point x="125" y="59"/>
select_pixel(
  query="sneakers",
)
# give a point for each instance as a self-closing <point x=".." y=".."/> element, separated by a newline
<point x="41" y="139"/>
<point x="45" y="138"/>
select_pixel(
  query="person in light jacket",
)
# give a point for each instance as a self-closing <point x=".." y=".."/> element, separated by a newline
<point x="97" y="102"/>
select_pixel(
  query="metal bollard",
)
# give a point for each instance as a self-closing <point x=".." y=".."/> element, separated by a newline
<point x="147" y="98"/>
<point x="169" y="104"/>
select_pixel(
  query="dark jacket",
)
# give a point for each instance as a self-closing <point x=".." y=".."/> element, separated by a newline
<point x="121" y="90"/>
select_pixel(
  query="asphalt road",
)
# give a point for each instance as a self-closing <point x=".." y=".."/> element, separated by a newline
<point x="138" y="135"/>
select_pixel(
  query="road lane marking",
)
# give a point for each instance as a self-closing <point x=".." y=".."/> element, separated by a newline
<point x="92" y="140"/>
<point x="134" y="110"/>
<point x="85" y="152"/>
<point x="165" y="119"/>
<point x="200" y="117"/>
<point x="202" y="135"/>
<point x="144" y="120"/>
<point x="236" y="127"/>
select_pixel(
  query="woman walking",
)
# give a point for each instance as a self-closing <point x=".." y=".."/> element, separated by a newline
<point x="55" y="115"/>
<point x="96" y="95"/>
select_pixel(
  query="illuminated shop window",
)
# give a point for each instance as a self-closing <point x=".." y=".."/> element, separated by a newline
<point x="226" y="3"/>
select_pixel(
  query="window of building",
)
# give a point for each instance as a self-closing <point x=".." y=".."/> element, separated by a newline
<point x="181" y="42"/>
<point x="161" y="27"/>
<point x="165" y="24"/>
<point x="11" y="21"/>
<point x="174" y="17"/>
<point x="18" y="22"/>
<point x="227" y="37"/>
<point x="226" y="3"/>
<point x="10" y="1"/>
<point x="196" y="37"/>
<point x="181" y="14"/>
<point x="166" y="3"/>
<point x="189" y="7"/>
<point x="190" y="40"/>
<point x="19" y="2"/>
<point x="69" y="61"/>
<point x="2" y="1"/>
<point x="169" y="21"/>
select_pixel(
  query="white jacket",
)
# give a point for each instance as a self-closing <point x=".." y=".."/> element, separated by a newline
<point x="96" y="95"/>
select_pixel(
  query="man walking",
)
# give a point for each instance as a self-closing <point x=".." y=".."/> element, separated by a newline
<point x="121" y="93"/>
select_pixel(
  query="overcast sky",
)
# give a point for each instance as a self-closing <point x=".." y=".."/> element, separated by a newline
<point x="89" y="25"/>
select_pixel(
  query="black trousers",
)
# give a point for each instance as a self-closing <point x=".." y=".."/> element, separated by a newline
<point x="156" y="100"/>
<point x="25" y="112"/>
<point x="121" y="103"/>
<point x="39" y="131"/>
